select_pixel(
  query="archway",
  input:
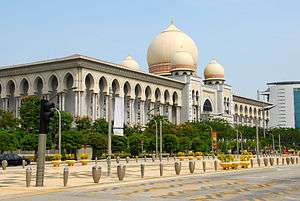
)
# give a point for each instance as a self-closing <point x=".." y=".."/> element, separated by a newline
<point x="127" y="96"/>
<point x="24" y="87"/>
<point x="10" y="90"/>
<point x="103" y="86"/>
<point x="207" y="106"/>
<point x="89" y="86"/>
<point x="38" y="86"/>
<point x="69" y="94"/>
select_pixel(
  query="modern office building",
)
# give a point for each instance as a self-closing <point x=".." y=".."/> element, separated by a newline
<point x="286" y="98"/>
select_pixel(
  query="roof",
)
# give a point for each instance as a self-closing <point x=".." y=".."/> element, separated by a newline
<point x="251" y="101"/>
<point x="284" y="83"/>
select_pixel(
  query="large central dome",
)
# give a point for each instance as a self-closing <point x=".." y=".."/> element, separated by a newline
<point x="165" y="45"/>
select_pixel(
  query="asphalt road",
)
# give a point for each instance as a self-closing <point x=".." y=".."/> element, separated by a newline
<point x="281" y="183"/>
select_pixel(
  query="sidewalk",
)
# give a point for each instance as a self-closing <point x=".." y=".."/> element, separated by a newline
<point x="12" y="180"/>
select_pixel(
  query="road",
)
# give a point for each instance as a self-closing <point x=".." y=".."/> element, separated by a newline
<point x="280" y="183"/>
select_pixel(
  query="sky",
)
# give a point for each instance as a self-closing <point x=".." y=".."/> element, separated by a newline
<point x="257" y="41"/>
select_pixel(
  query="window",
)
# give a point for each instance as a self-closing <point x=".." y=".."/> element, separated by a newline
<point x="207" y="107"/>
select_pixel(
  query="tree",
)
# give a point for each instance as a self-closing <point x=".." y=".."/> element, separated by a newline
<point x="30" y="113"/>
<point x="170" y="143"/>
<point x="72" y="140"/>
<point x="7" y="120"/>
<point x="83" y="123"/>
<point x="8" y="141"/>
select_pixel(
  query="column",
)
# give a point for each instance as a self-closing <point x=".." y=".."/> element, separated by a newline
<point x="161" y="109"/>
<point x="132" y="111"/>
<point x="170" y="113"/>
<point x="105" y="108"/>
<point x="93" y="107"/>
<point x="142" y="112"/>
<point x="17" y="105"/>
<point x="63" y="101"/>
<point x="59" y="101"/>
<point x="177" y="115"/>
<point x="76" y="104"/>
<point x="97" y="116"/>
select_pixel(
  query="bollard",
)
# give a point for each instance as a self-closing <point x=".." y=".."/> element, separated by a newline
<point x="23" y="163"/>
<point x="28" y="176"/>
<point x="258" y="162"/>
<point x="145" y="158"/>
<point x="252" y="162"/>
<point x="137" y="159"/>
<point x="282" y="161"/>
<point x="4" y="164"/>
<point x="271" y="160"/>
<point x="192" y="166"/>
<point x="265" y="161"/>
<point x="204" y="165"/>
<point x="96" y="173"/>
<point x="177" y="167"/>
<point x="66" y="176"/>
<point x="96" y="160"/>
<point x="142" y="170"/>
<point x="174" y="158"/>
<point x="161" y="169"/>
<point x="118" y="159"/>
<point x="287" y="160"/>
<point x="297" y="160"/>
<point x="153" y="158"/>
<point x="277" y="161"/>
<point x="216" y="165"/>
<point x="127" y="159"/>
<point x="121" y="171"/>
<point x="168" y="158"/>
<point x="292" y="160"/>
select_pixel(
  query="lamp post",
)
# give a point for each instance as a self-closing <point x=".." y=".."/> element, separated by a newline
<point x="59" y="130"/>
<point x="109" y="132"/>
<point x="257" y="140"/>
<point x="156" y="133"/>
<point x="237" y="142"/>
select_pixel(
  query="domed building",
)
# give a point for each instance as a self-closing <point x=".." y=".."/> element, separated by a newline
<point x="84" y="86"/>
<point x="165" y="45"/>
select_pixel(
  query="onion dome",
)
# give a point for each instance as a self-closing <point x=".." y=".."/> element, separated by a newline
<point x="214" y="71"/>
<point x="130" y="63"/>
<point x="165" y="45"/>
<point x="182" y="61"/>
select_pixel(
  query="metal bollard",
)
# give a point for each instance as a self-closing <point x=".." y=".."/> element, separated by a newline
<point x="282" y="161"/>
<point x="216" y="165"/>
<point x="142" y="170"/>
<point x="121" y="171"/>
<point x="177" y="167"/>
<point x="297" y="160"/>
<point x="161" y="169"/>
<point x="28" y="176"/>
<point x="23" y="163"/>
<point x="258" y="162"/>
<point x="4" y="164"/>
<point x="174" y="158"/>
<point x="96" y="160"/>
<point x="251" y="162"/>
<point x="66" y="176"/>
<point x="277" y="161"/>
<point x="145" y="158"/>
<point x="153" y="158"/>
<point x="137" y="159"/>
<point x="271" y="160"/>
<point x="127" y="159"/>
<point x="168" y="158"/>
<point x="192" y="165"/>
<point x="204" y="165"/>
<point x="96" y="173"/>
<point x="118" y="159"/>
<point x="292" y="160"/>
<point x="287" y="160"/>
<point x="265" y="161"/>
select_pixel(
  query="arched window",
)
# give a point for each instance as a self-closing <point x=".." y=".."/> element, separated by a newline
<point x="207" y="106"/>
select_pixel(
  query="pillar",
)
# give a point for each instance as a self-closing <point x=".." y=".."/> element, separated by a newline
<point x="142" y="112"/>
<point x="177" y="115"/>
<point x="170" y="113"/>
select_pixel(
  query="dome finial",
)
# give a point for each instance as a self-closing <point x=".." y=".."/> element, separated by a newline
<point x="172" y="20"/>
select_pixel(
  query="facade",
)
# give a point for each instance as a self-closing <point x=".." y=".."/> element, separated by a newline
<point x="286" y="98"/>
<point x="83" y="85"/>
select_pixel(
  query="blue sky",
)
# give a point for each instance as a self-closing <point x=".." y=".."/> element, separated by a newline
<point x="257" y="41"/>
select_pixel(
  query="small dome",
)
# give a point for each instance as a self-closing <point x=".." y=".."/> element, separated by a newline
<point x="131" y="63"/>
<point x="164" y="46"/>
<point x="214" y="71"/>
<point x="183" y="60"/>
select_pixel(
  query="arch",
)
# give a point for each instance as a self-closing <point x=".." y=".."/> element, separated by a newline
<point x="207" y="106"/>
<point x="89" y="82"/>
<point x="254" y="111"/>
<point x="246" y="110"/>
<point x="137" y="90"/>
<point x="148" y="93"/>
<point x="193" y="96"/>
<point x="24" y="87"/>
<point x="115" y="87"/>
<point x="38" y="85"/>
<point x="127" y="89"/>
<point x="167" y="96"/>
<point x="175" y="98"/>
<point x="10" y="87"/>
<point x="197" y="96"/>
<point x="68" y="81"/>
<point x="241" y="109"/>
<point x="103" y="85"/>
<point x="0" y="89"/>
<point x="53" y="83"/>
<point x="236" y="108"/>
<point x="250" y="111"/>
<point x="157" y="95"/>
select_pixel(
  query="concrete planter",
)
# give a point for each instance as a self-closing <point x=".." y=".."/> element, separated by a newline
<point x="84" y="161"/>
<point x="121" y="169"/>
<point x="192" y="165"/>
<point x="56" y="163"/>
<point x="181" y="158"/>
<point x="96" y="173"/>
<point x="191" y="158"/>
<point x="70" y="162"/>
<point x="244" y="164"/>
<point x="226" y="165"/>
<point x="177" y="167"/>
<point x="199" y="157"/>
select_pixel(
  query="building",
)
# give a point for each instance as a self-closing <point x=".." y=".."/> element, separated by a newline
<point x="286" y="98"/>
<point x="82" y="86"/>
